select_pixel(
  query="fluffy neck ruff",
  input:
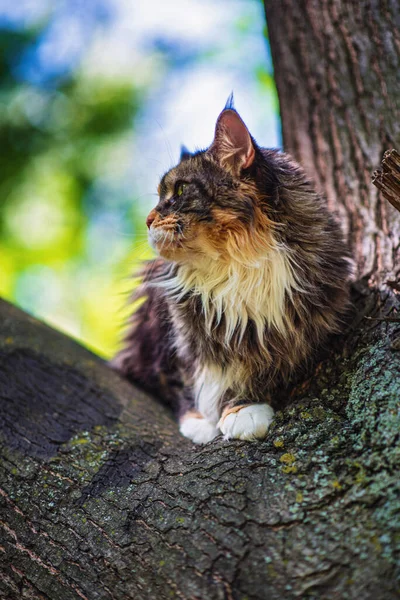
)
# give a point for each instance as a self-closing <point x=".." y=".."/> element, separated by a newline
<point x="240" y="290"/>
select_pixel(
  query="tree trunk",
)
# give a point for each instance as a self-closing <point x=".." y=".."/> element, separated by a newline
<point x="101" y="498"/>
<point x="337" y="71"/>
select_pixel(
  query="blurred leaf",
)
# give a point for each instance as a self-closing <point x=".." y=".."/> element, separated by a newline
<point x="71" y="215"/>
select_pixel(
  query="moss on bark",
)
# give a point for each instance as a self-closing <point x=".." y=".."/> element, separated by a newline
<point x="101" y="497"/>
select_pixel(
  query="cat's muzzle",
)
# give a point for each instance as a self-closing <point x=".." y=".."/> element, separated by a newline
<point x="164" y="237"/>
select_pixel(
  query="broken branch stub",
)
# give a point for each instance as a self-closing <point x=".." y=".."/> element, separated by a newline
<point x="387" y="179"/>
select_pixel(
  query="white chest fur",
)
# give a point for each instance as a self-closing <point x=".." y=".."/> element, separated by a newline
<point x="240" y="291"/>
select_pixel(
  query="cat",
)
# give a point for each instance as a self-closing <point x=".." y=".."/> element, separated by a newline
<point x="252" y="277"/>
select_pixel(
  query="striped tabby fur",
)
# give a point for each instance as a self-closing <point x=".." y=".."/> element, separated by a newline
<point x="251" y="279"/>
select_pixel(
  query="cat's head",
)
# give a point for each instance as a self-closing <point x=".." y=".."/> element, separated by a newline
<point x="210" y="205"/>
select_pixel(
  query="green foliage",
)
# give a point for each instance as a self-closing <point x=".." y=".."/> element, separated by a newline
<point x="72" y="226"/>
<point x="56" y="142"/>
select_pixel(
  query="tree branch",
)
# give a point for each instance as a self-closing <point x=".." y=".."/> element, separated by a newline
<point x="102" y="498"/>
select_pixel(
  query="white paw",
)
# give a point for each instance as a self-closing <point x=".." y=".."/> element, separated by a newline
<point x="248" y="423"/>
<point x="200" y="431"/>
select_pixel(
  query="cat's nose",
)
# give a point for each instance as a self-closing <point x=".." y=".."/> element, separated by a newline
<point x="151" y="218"/>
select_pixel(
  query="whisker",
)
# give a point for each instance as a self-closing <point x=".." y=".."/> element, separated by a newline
<point x="167" y="144"/>
<point x="143" y="244"/>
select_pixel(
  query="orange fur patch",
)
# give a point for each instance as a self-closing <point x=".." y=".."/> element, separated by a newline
<point x="167" y="223"/>
<point x="239" y="241"/>
<point x="233" y="409"/>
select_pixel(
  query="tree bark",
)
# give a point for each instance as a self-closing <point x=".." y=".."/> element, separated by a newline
<point x="337" y="67"/>
<point x="101" y="498"/>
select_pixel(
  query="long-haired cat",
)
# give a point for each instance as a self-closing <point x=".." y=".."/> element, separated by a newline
<point x="251" y="279"/>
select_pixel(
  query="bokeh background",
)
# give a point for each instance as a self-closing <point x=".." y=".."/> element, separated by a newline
<point x="96" y="97"/>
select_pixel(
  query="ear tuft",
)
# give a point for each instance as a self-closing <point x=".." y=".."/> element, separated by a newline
<point x="233" y="146"/>
<point x="185" y="154"/>
<point x="230" y="103"/>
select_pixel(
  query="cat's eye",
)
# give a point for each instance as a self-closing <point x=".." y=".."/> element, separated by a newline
<point x="180" y="187"/>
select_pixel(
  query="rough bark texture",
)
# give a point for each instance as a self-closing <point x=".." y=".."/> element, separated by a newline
<point x="100" y="496"/>
<point x="387" y="179"/>
<point x="337" y="67"/>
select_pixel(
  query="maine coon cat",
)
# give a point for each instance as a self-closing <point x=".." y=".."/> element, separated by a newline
<point x="251" y="279"/>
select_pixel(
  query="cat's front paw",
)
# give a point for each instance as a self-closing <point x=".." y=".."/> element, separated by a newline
<point x="195" y="427"/>
<point x="249" y="422"/>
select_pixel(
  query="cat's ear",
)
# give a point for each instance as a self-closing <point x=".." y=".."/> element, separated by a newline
<point x="232" y="146"/>
<point x="185" y="154"/>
